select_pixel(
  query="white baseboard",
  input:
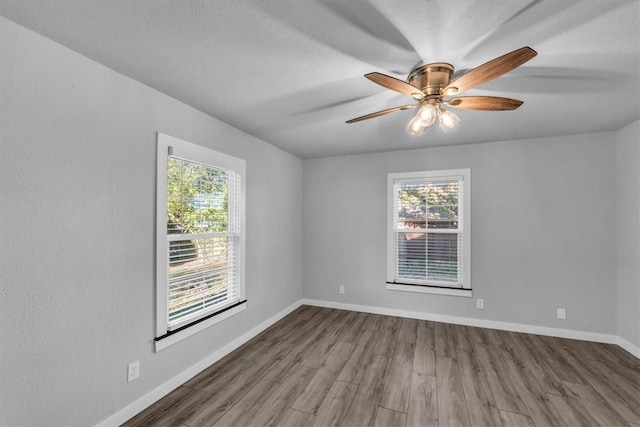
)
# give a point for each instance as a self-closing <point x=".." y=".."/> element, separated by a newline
<point x="156" y="394"/>
<point x="490" y="324"/>
<point x="633" y="349"/>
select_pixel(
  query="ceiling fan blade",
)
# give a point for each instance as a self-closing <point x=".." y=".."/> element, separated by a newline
<point x="490" y="70"/>
<point x="487" y="103"/>
<point x="382" y="113"/>
<point x="395" y="84"/>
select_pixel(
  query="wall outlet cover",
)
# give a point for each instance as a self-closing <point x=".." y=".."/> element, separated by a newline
<point x="480" y="304"/>
<point x="133" y="371"/>
<point x="562" y="313"/>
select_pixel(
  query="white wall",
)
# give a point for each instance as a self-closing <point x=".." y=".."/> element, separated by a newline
<point x="543" y="230"/>
<point x="77" y="175"/>
<point x="628" y="209"/>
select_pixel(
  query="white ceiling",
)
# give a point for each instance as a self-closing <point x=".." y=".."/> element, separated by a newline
<point x="290" y="72"/>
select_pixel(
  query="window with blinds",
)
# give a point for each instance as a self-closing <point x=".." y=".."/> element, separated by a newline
<point x="428" y="243"/>
<point x="200" y="239"/>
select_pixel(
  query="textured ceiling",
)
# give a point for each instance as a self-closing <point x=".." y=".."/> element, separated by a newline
<point x="290" y="72"/>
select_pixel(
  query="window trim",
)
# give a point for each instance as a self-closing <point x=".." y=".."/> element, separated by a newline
<point x="166" y="146"/>
<point x="464" y="220"/>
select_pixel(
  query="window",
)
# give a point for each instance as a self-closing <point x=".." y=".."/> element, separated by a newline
<point x="428" y="244"/>
<point x="199" y="239"/>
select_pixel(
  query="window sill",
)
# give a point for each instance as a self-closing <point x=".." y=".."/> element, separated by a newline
<point x="430" y="290"/>
<point x="186" y="333"/>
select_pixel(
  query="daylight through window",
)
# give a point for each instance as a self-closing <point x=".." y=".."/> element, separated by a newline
<point x="428" y="233"/>
<point x="200" y="234"/>
<point x="202" y="238"/>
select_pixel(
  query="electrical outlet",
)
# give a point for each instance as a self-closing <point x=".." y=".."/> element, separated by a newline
<point x="341" y="290"/>
<point x="480" y="304"/>
<point x="562" y="313"/>
<point x="133" y="371"/>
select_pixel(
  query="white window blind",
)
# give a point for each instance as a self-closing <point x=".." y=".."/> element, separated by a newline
<point x="202" y="239"/>
<point x="199" y="238"/>
<point x="428" y="231"/>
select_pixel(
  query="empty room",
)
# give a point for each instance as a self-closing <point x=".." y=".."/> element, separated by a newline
<point x="319" y="213"/>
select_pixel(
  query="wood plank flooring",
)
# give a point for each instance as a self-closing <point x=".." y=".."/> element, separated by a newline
<point x="324" y="367"/>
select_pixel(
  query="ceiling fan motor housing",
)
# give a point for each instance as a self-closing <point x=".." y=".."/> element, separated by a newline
<point x="431" y="78"/>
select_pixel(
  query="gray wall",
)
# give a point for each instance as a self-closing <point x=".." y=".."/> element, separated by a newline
<point x="543" y="230"/>
<point x="77" y="175"/>
<point x="628" y="209"/>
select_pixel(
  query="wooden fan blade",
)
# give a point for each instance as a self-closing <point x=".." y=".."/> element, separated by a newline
<point x="487" y="103"/>
<point x="381" y="113"/>
<point x="395" y="84"/>
<point x="490" y="70"/>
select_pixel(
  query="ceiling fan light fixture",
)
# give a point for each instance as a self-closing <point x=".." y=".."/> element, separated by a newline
<point x="416" y="126"/>
<point x="424" y="118"/>
<point x="447" y="119"/>
<point x="427" y="113"/>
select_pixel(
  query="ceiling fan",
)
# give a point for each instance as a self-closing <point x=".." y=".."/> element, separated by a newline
<point x="430" y="83"/>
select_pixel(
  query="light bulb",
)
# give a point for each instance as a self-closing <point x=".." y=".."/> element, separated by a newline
<point x="427" y="114"/>
<point x="416" y="126"/>
<point x="424" y="118"/>
<point x="447" y="119"/>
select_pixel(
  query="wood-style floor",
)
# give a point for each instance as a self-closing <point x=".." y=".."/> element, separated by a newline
<point x="325" y="367"/>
